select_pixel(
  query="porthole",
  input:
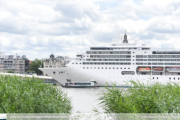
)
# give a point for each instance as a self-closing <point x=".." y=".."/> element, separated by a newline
<point x="157" y="77"/>
<point x="169" y="78"/>
<point x="174" y="78"/>
<point x="153" y="77"/>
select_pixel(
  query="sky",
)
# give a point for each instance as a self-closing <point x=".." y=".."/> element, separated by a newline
<point x="38" y="28"/>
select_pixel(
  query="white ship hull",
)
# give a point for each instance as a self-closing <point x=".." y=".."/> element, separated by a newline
<point x="104" y="77"/>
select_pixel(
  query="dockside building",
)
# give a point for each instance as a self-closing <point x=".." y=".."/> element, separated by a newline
<point x="13" y="63"/>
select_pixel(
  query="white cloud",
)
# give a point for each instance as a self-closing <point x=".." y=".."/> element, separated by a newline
<point x="39" y="28"/>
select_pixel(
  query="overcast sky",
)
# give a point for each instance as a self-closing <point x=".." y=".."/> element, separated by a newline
<point x="37" y="28"/>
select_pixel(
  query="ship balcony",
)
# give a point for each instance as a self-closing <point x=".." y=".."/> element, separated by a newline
<point x="79" y="56"/>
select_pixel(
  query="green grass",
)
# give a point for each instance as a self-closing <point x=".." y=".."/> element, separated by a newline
<point x="25" y="95"/>
<point x="156" y="98"/>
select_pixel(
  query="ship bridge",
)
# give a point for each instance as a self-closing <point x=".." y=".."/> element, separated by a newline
<point x="137" y="45"/>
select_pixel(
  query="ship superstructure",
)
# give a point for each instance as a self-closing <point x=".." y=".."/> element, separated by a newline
<point x="118" y="62"/>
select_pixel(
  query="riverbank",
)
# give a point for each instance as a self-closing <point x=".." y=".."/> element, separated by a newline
<point x="31" y="95"/>
<point x="142" y="98"/>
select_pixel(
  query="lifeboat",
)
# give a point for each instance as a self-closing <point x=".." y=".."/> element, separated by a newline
<point x="148" y="69"/>
<point x="173" y="69"/>
<point x="158" y="69"/>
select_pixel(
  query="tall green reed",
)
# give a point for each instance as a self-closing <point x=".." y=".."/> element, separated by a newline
<point x="141" y="98"/>
<point x="31" y="95"/>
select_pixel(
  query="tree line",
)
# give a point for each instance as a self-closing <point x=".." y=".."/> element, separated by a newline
<point x="35" y="64"/>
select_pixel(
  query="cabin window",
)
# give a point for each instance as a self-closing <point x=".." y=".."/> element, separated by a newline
<point x="87" y="67"/>
<point x="113" y="67"/>
<point x="102" y="68"/>
<point x="169" y="78"/>
<point x="157" y="77"/>
<point x="128" y="68"/>
<point x="178" y="78"/>
<point x="109" y="68"/>
<point x="98" y="67"/>
<point x="83" y="67"/>
<point x="117" y="68"/>
<point x="72" y="63"/>
<point x="54" y="72"/>
<point x="94" y="67"/>
<point x="143" y="73"/>
<point x="174" y="78"/>
<point x="153" y="77"/>
<point x="105" y="67"/>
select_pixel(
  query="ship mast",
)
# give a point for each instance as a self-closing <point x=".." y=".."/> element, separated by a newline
<point x="125" y="38"/>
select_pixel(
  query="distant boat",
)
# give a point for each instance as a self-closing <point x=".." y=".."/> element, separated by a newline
<point x="158" y="69"/>
<point x="173" y="69"/>
<point x="147" y="69"/>
<point x="81" y="84"/>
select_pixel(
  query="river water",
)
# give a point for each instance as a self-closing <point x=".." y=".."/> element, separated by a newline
<point x="84" y="99"/>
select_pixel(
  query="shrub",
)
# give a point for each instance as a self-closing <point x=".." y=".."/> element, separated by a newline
<point x="31" y="71"/>
<point x="155" y="98"/>
<point x="10" y="71"/>
<point x="24" y="95"/>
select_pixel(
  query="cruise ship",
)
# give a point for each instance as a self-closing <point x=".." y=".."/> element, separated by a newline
<point x="118" y="62"/>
